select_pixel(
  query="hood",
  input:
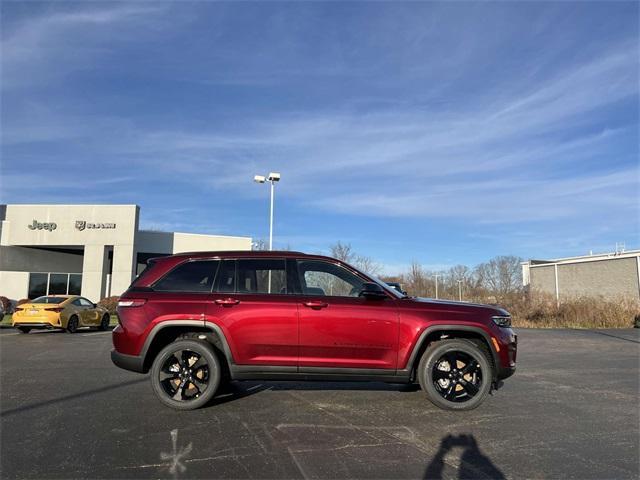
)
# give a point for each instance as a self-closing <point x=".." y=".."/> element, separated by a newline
<point x="434" y="301"/>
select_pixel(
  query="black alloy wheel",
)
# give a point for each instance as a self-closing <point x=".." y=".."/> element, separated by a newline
<point x="456" y="374"/>
<point x="72" y="324"/>
<point x="104" y="323"/>
<point x="186" y="374"/>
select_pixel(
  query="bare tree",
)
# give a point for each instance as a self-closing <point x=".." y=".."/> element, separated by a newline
<point x="343" y="252"/>
<point x="367" y="265"/>
<point x="260" y="244"/>
<point x="500" y="276"/>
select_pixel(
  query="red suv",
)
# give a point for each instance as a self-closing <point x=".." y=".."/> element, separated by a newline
<point x="195" y="320"/>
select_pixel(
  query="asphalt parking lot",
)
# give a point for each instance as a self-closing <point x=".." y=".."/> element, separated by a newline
<point x="571" y="411"/>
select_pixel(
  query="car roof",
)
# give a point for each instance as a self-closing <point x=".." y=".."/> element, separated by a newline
<point x="245" y="254"/>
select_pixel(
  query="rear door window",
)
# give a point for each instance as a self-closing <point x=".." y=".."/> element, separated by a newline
<point x="194" y="276"/>
<point x="262" y="275"/>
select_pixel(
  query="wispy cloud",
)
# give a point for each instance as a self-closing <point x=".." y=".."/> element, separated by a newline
<point x="409" y="113"/>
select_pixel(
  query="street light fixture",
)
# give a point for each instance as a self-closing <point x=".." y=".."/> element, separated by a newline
<point x="272" y="178"/>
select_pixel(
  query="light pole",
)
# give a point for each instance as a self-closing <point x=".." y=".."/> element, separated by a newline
<point x="272" y="178"/>
<point x="460" y="290"/>
<point x="436" y="275"/>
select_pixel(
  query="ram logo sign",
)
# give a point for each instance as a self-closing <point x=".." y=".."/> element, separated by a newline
<point x="82" y="225"/>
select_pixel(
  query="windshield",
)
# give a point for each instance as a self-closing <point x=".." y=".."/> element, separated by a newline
<point x="49" y="300"/>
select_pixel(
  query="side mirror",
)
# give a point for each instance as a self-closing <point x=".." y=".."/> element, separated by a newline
<point x="372" y="290"/>
<point x="95" y="305"/>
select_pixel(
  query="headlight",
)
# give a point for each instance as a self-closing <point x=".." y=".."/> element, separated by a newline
<point x="502" y="320"/>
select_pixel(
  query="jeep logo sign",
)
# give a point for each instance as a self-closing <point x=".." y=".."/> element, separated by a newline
<point x="51" y="226"/>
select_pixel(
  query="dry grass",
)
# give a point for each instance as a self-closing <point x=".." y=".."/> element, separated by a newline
<point x="539" y="311"/>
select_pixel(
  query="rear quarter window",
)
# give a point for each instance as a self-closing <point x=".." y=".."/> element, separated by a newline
<point x="193" y="276"/>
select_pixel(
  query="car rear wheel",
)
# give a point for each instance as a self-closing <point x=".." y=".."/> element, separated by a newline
<point x="456" y="374"/>
<point x="104" y="323"/>
<point x="186" y="374"/>
<point x="72" y="324"/>
<point x="24" y="329"/>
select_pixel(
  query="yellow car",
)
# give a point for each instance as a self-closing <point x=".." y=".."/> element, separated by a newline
<point x="60" y="311"/>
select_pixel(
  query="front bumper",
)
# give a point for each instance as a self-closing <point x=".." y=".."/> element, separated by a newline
<point x="132" y="363"/>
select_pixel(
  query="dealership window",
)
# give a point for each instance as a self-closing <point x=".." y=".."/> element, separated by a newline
<point x="75" y="283"/>
<point x="38" y="284"/>
<point x="41" y="284"/>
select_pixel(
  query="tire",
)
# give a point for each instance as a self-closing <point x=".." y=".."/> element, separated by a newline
<point x="24" y="329"/>
<point x="177" y="383"/>
<point x="72" y="324"/>
<point x="104" y="323"/>
<point x="442" y="378"/>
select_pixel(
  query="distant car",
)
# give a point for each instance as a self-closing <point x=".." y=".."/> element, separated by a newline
<point x="397" y="286"/>
<point x="60" y="311"/>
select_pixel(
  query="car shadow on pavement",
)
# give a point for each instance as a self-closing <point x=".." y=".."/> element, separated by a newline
<point x="232" y="391"/>
<point x="473" y="464"/>
<point x="66" y="398"/>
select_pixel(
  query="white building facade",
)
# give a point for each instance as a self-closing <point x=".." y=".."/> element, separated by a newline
<point x="89" y="250"/>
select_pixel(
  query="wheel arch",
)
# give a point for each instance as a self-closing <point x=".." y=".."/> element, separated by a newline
<point x="169" y="330"/>
<point x="438" y="332"/>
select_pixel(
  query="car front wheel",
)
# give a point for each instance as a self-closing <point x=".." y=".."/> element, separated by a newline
<point x="185" y="375"/>
<point x="456" y="374"/>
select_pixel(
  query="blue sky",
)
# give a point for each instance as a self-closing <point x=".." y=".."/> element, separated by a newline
<point x="438" y="132"/>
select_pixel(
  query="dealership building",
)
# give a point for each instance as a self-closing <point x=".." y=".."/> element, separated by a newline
<point x="90" y="250"/>
<point x="610" y="275"/>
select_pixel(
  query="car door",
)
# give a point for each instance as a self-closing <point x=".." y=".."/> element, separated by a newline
<point x="338" y="328"/>
<point x="253" y="307"/>
<point x="87" y="312"/>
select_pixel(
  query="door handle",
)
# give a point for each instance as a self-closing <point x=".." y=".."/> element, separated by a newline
<point x="227" y="302"/>
<point x="316" y="304"/>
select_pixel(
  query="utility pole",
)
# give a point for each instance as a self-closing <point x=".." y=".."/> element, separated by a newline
<point x="460" y="290"/>
<point x="436" y="276"/>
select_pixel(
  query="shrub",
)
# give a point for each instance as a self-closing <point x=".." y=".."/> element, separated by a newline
<point x="542" y="311"/>
<point x="6" y="304"/>
<point x="110" y="303"/>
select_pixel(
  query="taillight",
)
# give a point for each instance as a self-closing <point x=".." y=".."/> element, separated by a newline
<point x="57" y="310"/>
<point x="131" y="302"/>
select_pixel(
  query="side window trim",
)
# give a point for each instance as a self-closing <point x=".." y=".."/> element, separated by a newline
<point x="179" y="265"/>
<point x="294" y="286"/>
<point x="216" y="283"/>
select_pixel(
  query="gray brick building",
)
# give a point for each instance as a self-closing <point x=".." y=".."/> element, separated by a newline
<point x="611" y="275"/>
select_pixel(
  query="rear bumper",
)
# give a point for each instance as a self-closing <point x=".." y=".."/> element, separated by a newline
<point x="132" y="363"/>
<point x="46" y="325"/>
